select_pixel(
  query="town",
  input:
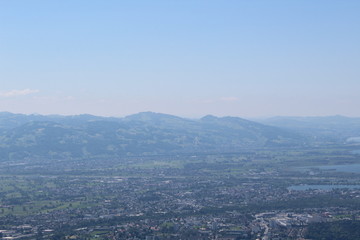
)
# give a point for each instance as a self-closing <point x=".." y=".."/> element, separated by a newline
<point x="225" y="197"/>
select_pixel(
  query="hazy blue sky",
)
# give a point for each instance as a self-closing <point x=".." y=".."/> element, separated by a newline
<point x="244" y="58"/>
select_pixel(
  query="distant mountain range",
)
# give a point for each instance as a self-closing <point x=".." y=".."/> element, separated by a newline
<point x="86" y="136"/>
<point x="332" y="128"/>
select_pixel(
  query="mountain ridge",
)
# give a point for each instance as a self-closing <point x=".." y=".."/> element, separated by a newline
<point x="146" y="133"/>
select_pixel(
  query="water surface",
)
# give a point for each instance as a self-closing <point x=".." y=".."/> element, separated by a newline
<point x="322" y="187"/>
<point x="349" y="168"/>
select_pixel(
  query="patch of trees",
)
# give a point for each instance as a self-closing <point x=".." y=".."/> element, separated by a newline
<point x="341" y="230"/>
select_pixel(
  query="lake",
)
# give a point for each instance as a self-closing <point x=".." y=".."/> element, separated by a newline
<point x="322" y="187"/>
<point x="350" y="168"/>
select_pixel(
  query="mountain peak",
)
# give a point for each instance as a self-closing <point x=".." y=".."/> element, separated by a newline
<point x="150" y="116"/>
<point x="209" y="118"/>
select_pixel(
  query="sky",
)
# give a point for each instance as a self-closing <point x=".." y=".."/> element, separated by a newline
<point x="189" y="58"/>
